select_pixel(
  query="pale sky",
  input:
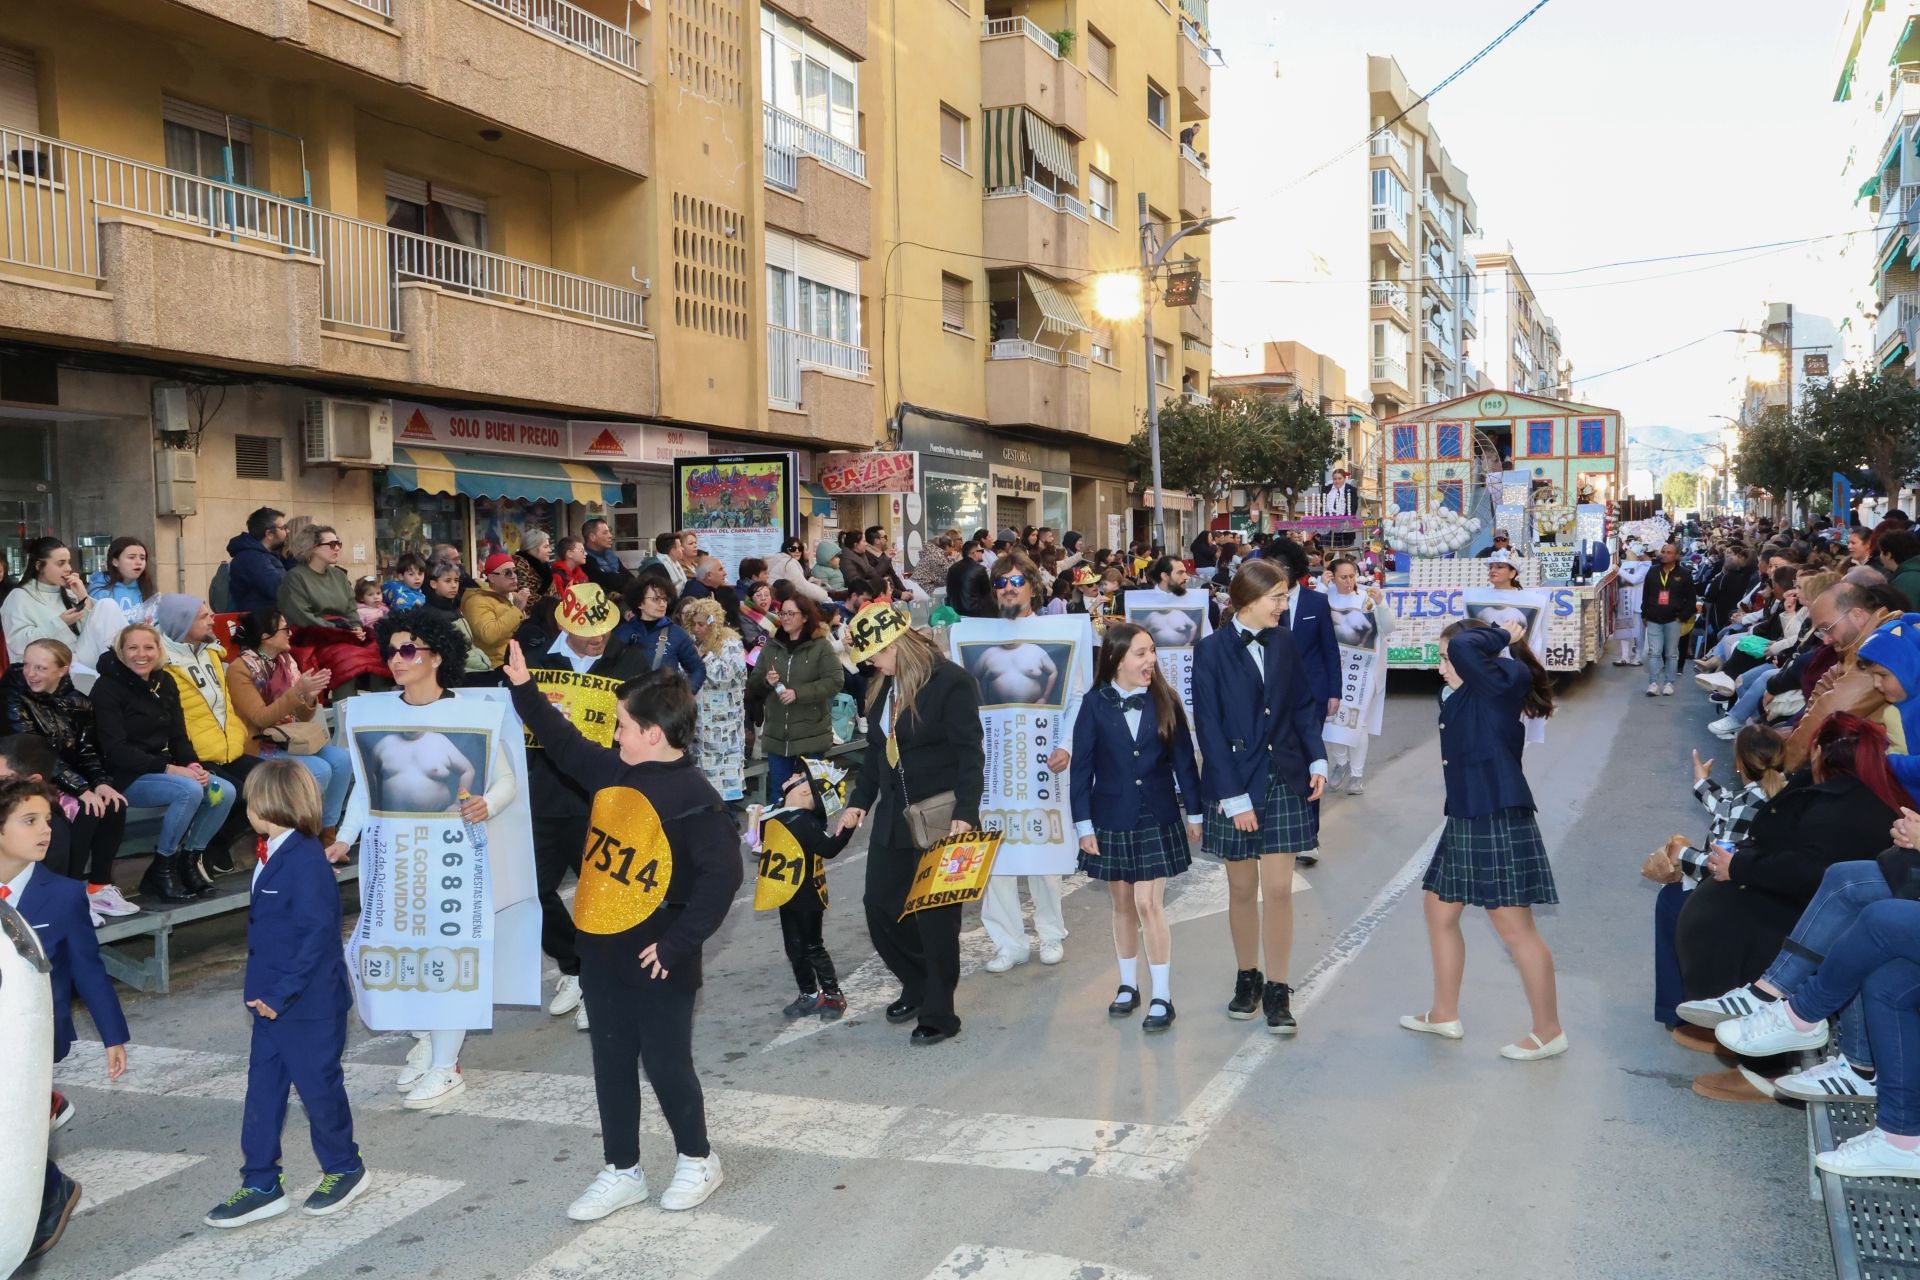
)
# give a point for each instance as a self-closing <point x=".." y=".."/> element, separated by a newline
<point x="1602" y="130"/>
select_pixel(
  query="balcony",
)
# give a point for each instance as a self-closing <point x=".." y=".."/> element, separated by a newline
<point x="818" y="389"/>
<point x="1438" y="285"/>
<point x="1469" y="372"/>
<point x="1895" y="211"/>
<point x="1195" y="77"/>
<point x="1196" y="321"/>
<point x="1440" y="343"/>
<point x="1389" y="145"/>
<point x="1021" y="66"/>
<point x="1896" y="314"/>
<point x="1390" y="371"/>
<point x="1196" y="184"/>
<point x="818" y="201"/>
<point x="844" y="22"/>
<point x="1902" y="100"/>
<point x="1030" y="224"/>
<point x="791" y="133"/>
<point x="1437" y="214"/>
<point x="109" y="251"/>
<point x="1032" y="385"/>
<point x="1392" y="221"/>
<point x="1388" y="295"/>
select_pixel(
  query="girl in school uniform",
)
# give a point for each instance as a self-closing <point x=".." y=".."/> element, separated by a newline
<point x="1259" y="725"/>
<point x="1131" y="745"/>
<point x="1490" y="853"/>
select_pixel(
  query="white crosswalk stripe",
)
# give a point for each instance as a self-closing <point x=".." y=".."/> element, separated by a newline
<point x="106" y="1175"/>
<point x="645" y="1243"/>
<point x="989" y="1262"/>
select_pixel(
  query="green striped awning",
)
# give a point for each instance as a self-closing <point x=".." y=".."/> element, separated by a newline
<point x="1895" y="356"/>
<point x="1869" y="189"/>
<point x="1058" y="314"/>
<point x="1000" y="137"/>
<point x="1051" y="151"/>
<point x="500" y="475"/>
<point x="1899" y="249"/>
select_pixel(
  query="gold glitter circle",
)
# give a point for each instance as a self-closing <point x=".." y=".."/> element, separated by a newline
<point x="627" y="865"/>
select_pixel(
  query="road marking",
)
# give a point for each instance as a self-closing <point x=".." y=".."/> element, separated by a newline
<point x="990" y="1262"/>
<point x="294" y="1244"/>
<point x="1203" y="891"/>
<point x="645" y="1243"/>
<point x="106" y="1175"/>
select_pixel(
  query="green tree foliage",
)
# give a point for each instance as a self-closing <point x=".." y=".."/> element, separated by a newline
<point x="1237" y="441"/>
<point x="1778" y="454"/>
<point x="1862" y="419"/>
<point x="1681" y="491"/>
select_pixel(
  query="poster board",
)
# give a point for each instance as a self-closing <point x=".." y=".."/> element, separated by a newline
<point x="1576" y="618"/>
<point x="586" y="701"/>
<point x="741" y="504"/>
<point x="1177" y="624"/>
<point x="1363" y="665"/>
<point x="952" y="872"/>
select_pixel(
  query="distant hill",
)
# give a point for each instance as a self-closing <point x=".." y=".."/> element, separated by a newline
<point x="1662" y="450"/>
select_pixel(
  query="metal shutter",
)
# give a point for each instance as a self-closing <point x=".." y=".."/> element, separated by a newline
<point x="824" y="266"/>
<point x="1099" y="56"/>
<point x="19" y="90"/>
<point x="205" y="119"/>
<point x="953" y="302"/>
<point x="953" y="136"/>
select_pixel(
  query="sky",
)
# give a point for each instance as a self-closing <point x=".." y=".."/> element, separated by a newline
<point x="1600" y="131"/>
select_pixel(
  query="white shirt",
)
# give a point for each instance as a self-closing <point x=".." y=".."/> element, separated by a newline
<point x="1336" y="500"/>
<point x="18" y="885"/>
<point x="580" y="661"/>
<point x="273" y="847"/>
<point x="1243" y="802"/>
<point x="1133" y="715"/>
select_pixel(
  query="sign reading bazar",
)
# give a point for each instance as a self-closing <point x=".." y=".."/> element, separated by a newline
<point x="852" y="473"/>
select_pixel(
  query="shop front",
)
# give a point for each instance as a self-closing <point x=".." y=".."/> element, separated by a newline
<point x="641" y="457"/>
<point x="1102" y="496"/>
<point x="954" y="478"/>
<point x="1031" y="484"/>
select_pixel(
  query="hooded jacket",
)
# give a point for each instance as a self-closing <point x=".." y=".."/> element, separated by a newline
<point x="492" y="618"/>
<point x="138" y="722"/>
<point x="253" y="574"/>
<point x="781" y="565"/>
<point x="1895" y="645"/>
<point x="64" y="718"/>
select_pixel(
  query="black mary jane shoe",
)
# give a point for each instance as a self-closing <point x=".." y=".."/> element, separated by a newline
<point x="922" y="1037"/>
<point x="902" y="1011"/>
<point x="1125" y="1002"/>
<point x="1155" y="1019"/>
<point x="1306" y="859"/>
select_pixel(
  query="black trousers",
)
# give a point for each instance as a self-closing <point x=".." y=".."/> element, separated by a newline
<point x="559" y="838"/>
<point x="94" y="844"/>
<point x="651" y="1027"/>
<point x="922" y="951"/>
<point x="801" y="931"/>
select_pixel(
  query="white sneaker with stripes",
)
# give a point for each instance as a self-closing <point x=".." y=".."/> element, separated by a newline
<point x="1737" y="1003"/>
<point x="1830" y="1080"/>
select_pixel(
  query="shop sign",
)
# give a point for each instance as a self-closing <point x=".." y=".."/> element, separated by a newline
<point x="482" y="430"/>
<point x="1015" y="483"/>
<point x="617" y="442"/>
<point x="843" y="474"/>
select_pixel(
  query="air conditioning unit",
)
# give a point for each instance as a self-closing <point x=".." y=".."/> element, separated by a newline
<point x="348" y="433"/>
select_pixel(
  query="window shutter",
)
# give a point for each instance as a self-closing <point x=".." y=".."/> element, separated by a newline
<point x="953" y="302"/>
<point x="780" y="249"/>
<point x="824" y="266"/>
<point x="205" y="119"/>
<point x="403" y="186"/>
<point x="19" y="90"/>
<point x="953" y="136"/>
<point x="454" y="198"/>
<point x="1099" y="57"/>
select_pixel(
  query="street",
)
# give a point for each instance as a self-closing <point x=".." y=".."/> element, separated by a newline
<point x="1049" y="1141"/>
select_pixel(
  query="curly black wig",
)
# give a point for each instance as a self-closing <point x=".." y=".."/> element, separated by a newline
<point x="431" y="628"/>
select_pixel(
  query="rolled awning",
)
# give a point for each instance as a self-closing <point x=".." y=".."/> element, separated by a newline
<point x="1058" y="314"/>
<point x="1000" y="135"/>
<point x="1051" y="151"/>
<point x="1869" y="189"/>
<point x="489" y="475"/>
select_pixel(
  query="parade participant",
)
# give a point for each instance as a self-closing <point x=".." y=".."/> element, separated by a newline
<point x="923" y="744"/>
<point x="1129" y="764"/>
<point x="1016" y="587"/>
<point x="1360" y="615"/>
<point x="1502" y="573"/>
<point x="797" y="675"/>
<point x="55" y="908"/>
<point x="1632" y="571"/>
<point x="128" y="578"/>
<point x="1490" y="854"/>
<point x="426" y="654"/>
<point x="642" y="924"/>
<point x="805" y="828"/>
<point x="1259" y="724"/>
<point x="1666" y="605"/>
<point x="298" y="992"/>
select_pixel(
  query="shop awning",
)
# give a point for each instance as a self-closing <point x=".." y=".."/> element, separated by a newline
<point x="1893" y="255"/>
<point x="1001" y="147"/>
<point x="1058" y="314"/>
<point x="1051" y="150"/>
<point x="1894" y="356"/>
<point x="1869" y="189"/>
<point x="815" y="501"/>
<point x="490" y="475"/>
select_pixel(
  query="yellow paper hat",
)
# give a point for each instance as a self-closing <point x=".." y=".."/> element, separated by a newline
<point x="586" y="612"/>
<point x="874" y="628"/>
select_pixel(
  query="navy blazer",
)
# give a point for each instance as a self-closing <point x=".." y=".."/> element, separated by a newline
<point x="295" y="961"/>
<point x="1128" y="780"/>
<point x="1481" y="736"/>
<point x="56" y="907"/>
<point x="1246" y="726"/>
<point x="1311" y="622"/>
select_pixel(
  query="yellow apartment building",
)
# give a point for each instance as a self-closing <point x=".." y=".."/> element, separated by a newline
<point x="1295" y="372"/>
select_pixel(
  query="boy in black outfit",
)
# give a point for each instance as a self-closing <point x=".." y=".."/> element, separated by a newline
<point x="794" y="842"/>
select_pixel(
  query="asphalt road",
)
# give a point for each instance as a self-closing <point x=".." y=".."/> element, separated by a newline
<point x="1049" y="1142"/>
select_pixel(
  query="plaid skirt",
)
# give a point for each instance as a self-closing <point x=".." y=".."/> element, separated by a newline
<point x="1286" y="826"/>
<point x="1497" y="860"/>
<point x="1152" y="852"/>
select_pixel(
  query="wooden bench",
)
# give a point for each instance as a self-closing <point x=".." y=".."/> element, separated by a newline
<point x="1874" y="1222"/>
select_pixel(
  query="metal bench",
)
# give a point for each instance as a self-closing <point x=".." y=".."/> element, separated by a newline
<point x="755" y="785"/>
<point x="1874" y="1222"/>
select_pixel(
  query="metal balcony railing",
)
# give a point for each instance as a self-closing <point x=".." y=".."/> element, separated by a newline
<point x="1387" y="218"/>
<point x="782" y="168"/>
<point x="1387" y="369"/>
<point x="1058" y="201"/>
<point x="795" y="134"/>
<point x="1022" y="349"/>
<point x="789" y="351"/>
<point x="1437" y="210"/>
<point x="1895" y="314"/>
<point x="572" y="25"/>
<point x="1388" y="293"/>
<point x="996" y="27"/>
<point x="1389" y="144"/>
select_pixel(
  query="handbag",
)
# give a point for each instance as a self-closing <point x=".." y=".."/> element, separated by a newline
<point x="296" y="737"/>
<point x="928" y="820"/>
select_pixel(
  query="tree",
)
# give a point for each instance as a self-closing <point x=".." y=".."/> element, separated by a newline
<point x="1779" y="454"/>
<point x="1236" y="441"/>
<point x="1862" y="419"/>
<point x="1681" y="490"/>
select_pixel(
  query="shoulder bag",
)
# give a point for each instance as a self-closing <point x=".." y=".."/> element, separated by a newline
<point x="296" y="737"/>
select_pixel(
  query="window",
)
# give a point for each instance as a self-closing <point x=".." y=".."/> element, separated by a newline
<point x="1157" y="106"/>
<point x="430" y="209"/>
<point x="1162" y="363"/>
<point x="1406" y="497"/>
<point x="1100" y="57"/>
<point x="804" y="76"/>
<point x="1100" y="195"/>
<point x="1446" y="440"/>
<point x="206" y="144"/>
<point x="1406" y="446"/>
<point x="955" y="502"/>
<point x="813" y="290"/>
<point x="953" y="303"/>
<point x="953" y="137"/>
<point x="1593" y="437"/>
<point x="19" y="91"/>
<point x="1102" y="344"/>
<point x="1539" y="439"/>
<point x="1452" y="495"/>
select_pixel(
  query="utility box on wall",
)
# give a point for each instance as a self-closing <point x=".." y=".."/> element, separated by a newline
<point x="176" y="482"/>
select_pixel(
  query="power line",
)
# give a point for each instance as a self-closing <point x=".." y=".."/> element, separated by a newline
<point x="1658" y="355"/>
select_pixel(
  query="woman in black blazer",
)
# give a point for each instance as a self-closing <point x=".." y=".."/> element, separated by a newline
<point x="923" y="738"/>
<point x="1130" y="745"/>
<point x="1490" y="853"/>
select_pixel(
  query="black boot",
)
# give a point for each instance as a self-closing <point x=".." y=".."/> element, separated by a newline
<point x="1246" y="995"/>
<point x="193" y="874"/>
<point x="163" y="882"/>
<point x="1279" y="1016"/>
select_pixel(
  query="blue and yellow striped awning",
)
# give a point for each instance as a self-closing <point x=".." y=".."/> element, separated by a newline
<point x="491" y="475"/>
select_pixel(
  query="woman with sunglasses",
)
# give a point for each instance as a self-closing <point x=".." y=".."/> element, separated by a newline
<point x="796" y="677"/>
<point x="317" y="598"/>
<point x="427" y="656"/>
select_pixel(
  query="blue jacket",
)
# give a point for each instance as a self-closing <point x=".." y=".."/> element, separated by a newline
<point x="1481" y="736"/>
<point x="1128" y="781"/>
<point x="645" y="638"/>
<point x="253" y="576"/>
<point x="1895" y="645"/>
<point x="1311" y="622"/>
<point x="1248" y="725"/>
<point x="295" y="963"/>
<point x="125" y="594"/>
<point x="56" y="907"/>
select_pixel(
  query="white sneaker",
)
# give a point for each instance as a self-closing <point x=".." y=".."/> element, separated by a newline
<point x="1653" y="690"/>
<point x="1869" y="1156"/>
<point x="1737" y="1003"/>
<point x="1002" y="962"/>
<point x="1834" y="1078"/>
<point x="1714" y="682"/>
<point x="580" y="1018"/>
<point x="566" y="995"/>
<point x="1052" y="953"/>
<point x="1768" y="1031"/>
<point x="610" y="1189"/>
<point x="1358" y="787"/>
<point x="1725" y="728"/>
<point x="1667" y="690"/>
<point x="435" y="1087"/>
<point x="96" y="917"/>
<point x="107" y="900"/>
<point x="693" y="1181"/>
<point x="419" y="1058"/>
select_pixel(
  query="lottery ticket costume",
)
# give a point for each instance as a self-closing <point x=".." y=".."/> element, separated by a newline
<point x="794" y="846"/>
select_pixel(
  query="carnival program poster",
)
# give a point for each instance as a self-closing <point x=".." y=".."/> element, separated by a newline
<point x="740" y="504"/>
<point x="1177" y="623"/>
<point x="1028" y="673"/>
<point x="1363" y="662"/>
<point x="449" y="920"/>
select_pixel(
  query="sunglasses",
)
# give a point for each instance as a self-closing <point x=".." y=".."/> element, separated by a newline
<point x="331" y="542"/>
<point x="1011" y="580"/>
<point x="408" y="652"/>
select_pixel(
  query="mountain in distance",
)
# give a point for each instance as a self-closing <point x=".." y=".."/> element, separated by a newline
<point x="1663" y="450"/>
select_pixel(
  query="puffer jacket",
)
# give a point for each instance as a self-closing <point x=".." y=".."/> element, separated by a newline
<point x="218" y="732"/>
<point x="812" y="670"/>
<point x="492" y="618"/>
<point x="138" y="722"/>
<point x="65" y="719"/>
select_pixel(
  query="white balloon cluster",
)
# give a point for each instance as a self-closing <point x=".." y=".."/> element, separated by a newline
<point x="1429" y="533"/>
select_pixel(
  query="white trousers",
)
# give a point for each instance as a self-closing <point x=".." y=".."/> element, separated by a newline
<point x="1354" y="756"/>
<point x="446" y="1046"/>
<point x="1000" y="913"/>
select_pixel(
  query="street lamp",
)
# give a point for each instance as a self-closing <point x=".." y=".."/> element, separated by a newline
<point x="1121" y="295"/>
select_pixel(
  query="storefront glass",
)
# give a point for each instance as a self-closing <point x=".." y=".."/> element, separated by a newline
<point x="500" y="524"/>
<point x="407" y="520"/>
<point x="1053" y="510"/>
<point x="956" y="502"/>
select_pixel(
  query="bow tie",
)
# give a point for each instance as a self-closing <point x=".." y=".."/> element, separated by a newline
<point x="260" y="848"/>
<point x="1132" y="702"/>
<point x="1253" y="638"/>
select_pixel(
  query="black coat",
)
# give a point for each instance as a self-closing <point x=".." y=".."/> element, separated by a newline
<point x="940" y="750"/>
<point x="554" y="790"/>
<point x="968" y="590"/>
<point x="138" y="723"/>
<point x="65" y="719"/>
<point x="1680" y="595"/>
<point x="1725" y="591"/>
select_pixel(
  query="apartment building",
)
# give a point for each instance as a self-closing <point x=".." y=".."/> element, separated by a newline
<point x="1024" y="139"/>
<point x="1296" y="373"/>
<point x="1423" y="323"/>
<point x="1520" y="343"/>
<point x="1879" y="84"/>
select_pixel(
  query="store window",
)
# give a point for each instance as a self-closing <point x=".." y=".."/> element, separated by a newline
<point x="501" y="524"/>
<point x="406" y="520"/>
<point x="1053" y="511"/>
<point x="956" y="502"/>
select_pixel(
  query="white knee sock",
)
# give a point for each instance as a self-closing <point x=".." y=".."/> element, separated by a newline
<point x="1162" y="980"/>
<point x="1130" y="971"/>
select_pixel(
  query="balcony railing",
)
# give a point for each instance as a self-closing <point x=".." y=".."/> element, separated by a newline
<point x="569" y="24"/>
<point x="1388" y="293"/>
<point x="1058" y="201"/>
<point x="53" y="194"/>
<point x="1386" y="369"/>
<point x="1894" y="213"/>
<point x="1194" y="38"/>
<point x="1193" y="395"/>
<point x="1389" y="144"/>
<point x="1387" y="218"/>
<point x="795" y="134"/>
<point x="1192" y="157"/>
<point x="1021" y="349"/>
<point x="782" y="168"/>
<point x="789" y="351"/>
<point x="1895" y="314"/>
<point x="382" y="7"/>
<point x="1022" y="27"/>
<point x="1438" y="211"/>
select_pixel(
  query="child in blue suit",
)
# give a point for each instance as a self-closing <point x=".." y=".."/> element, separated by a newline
<point x="1259" y="720"/>
<point x="1490" y="853"/>
<point x="298" y="993"/>
<point x="1131" y="745"/>
<point x="55" y="906"/>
